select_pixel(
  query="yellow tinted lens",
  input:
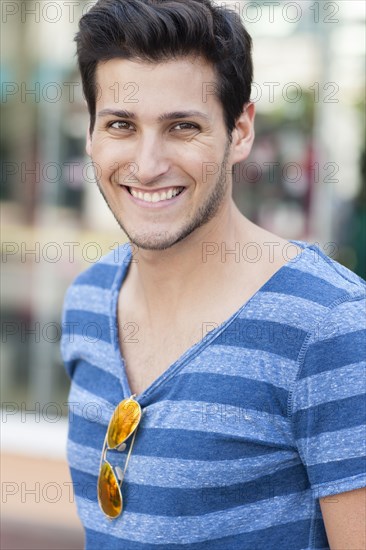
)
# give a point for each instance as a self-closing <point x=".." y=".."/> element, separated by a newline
<point x="109" y="493"/>
<point x="123" y="422"/>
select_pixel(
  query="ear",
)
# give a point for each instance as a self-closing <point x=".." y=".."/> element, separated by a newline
<point x="243" y="134"/>
<point x="88" y="145"/>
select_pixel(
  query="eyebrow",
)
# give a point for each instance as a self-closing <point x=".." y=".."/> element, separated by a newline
<point x="166" y="116"/>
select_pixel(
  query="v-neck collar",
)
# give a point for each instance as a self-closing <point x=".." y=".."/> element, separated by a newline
<point x="192" y="351"/>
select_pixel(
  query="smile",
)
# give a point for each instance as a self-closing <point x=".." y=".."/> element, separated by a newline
<point x="156" y="196"/>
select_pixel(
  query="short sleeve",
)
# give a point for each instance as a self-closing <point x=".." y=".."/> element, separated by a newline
<point x="328" y="401"/>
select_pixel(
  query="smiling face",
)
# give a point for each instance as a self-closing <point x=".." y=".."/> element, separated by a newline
<point x="161" y="149"/>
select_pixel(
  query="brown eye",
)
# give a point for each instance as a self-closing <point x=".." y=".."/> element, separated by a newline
<point x="118" y="125"/>
<point x="187" y="126"/>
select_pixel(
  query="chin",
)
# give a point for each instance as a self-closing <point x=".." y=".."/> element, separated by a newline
<point x="153" y="242"/>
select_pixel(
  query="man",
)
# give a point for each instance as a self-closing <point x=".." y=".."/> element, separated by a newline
<point x="243" y="377"/>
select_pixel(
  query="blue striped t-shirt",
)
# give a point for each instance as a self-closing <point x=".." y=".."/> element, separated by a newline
<point x="242" y="435"/>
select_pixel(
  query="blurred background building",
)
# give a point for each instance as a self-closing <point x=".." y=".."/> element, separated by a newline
<point x="305" y="179"/>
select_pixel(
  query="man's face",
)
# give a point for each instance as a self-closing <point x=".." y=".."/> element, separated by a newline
<point x="163" y="177"/>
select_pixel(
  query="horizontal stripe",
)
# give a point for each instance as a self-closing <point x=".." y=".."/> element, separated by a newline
<point x="334" y="477"/>
<point x="304" y="285"/>
<point x="89" y="299"/>
<point x="188" y="416"/>
<point x="95" y="380"/>
<point x="343" y="319"/>
<point x="89" y="428"/>
<point x="99" y="275"/>
<point x="93" y="328"/>
<point x="330" y="417"/>
<point x="182" y="474"/>
<point x="292" y="536"/>
<point x="337" y="445"/>
<point x="334" y="353"/>
<point x="163" y="443"/>
<point x="185" y="473"/>
<point x="153" y="500"/>
<point x="83" y="458"/>
<point x="201" y="445"/>
<point x="268" y="336"/>
<point x="89" y="406"/>
<point x="103" y="355"/>
<point x="235" y="392"/>
<point x="121" y="255"/>
<point x="85" y="431"/>
<point x="294" y="311"/>
<point x="329" y="386"/>
<point x="243" y="363"/>
<point x="195" y="529"/>
<point x="316" y="263"/>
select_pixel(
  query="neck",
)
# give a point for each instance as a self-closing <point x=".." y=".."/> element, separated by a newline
<point x="171" y="279"/>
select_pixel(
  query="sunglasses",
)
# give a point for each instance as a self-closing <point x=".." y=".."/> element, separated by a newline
<point x="122" y="425"/>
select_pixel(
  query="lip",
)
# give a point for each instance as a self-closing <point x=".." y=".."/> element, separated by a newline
<point x="161" y="204"/>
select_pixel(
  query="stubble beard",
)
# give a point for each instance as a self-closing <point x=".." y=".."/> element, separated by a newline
<point x="164" y="240"/>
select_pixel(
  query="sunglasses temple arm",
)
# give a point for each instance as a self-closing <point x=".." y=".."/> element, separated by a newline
<point x="128" y="456"/>
<point x="102" y="458"/>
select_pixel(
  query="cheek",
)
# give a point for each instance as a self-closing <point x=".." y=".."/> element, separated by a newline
<point x="201" y="163"/>
<point x="107" y="158"/>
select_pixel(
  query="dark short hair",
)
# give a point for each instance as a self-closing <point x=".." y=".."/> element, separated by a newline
<point x="160" y="30"/>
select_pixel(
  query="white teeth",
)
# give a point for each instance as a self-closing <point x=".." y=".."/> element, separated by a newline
<point x="156" y="197"/>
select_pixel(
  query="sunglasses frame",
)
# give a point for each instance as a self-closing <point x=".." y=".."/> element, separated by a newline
<point x="116" y="471"/>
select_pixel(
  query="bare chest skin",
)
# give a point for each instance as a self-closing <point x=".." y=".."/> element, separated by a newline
<point x="150" y="348"/>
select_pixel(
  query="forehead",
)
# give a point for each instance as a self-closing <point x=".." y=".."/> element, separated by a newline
<point x="178" y="83"/>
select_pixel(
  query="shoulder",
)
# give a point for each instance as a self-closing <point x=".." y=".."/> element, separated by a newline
<point x="316" y="298"/>
<point x="335" y="345"/>
<point x="320" y="279"/>
<point x="88" y="305"/>
<point x="340" y="292"/>
<point x="99" y="278"/>
<point x="102" y="273"/>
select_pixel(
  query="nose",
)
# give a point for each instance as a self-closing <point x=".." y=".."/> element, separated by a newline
<point x="150" y="160"/>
